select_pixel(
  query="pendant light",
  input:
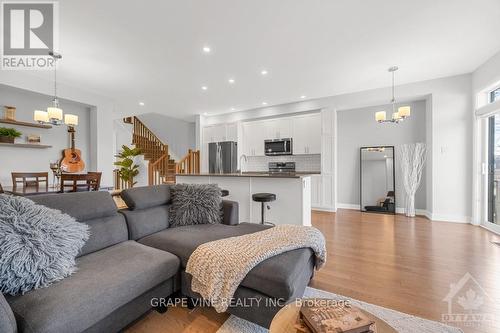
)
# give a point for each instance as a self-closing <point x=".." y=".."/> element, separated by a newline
<point x="401" y="114"/>
<point x="54" y="114"/>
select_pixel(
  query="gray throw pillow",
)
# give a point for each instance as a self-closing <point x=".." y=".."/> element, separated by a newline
<point x="38" y="245"/>
<point x="195" y="204"/>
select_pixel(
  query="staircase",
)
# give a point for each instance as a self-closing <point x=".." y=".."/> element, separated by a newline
<point x="161" y="167"/>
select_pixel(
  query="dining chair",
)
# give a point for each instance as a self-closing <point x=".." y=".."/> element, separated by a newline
<point x="80" y="182"/>
<point x="95" y="184"/>
<point x="30" y="179"/>
<point x="1" y="189"/>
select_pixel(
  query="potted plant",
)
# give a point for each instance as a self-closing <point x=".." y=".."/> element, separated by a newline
<point x="128" y="170"/>
<point x="8" y="135"/>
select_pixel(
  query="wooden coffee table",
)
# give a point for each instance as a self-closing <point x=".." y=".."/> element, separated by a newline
<point x="286" y="318"/>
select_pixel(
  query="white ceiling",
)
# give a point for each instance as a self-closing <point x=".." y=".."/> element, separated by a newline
<point x="151" y="51"/>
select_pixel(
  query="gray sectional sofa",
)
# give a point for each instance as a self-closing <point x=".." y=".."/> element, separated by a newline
<point x="133" y="256"/>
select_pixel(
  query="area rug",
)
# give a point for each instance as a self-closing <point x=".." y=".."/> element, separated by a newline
<point x="401" y="322"/>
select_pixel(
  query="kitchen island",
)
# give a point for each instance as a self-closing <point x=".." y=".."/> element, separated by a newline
<point x="293" y="194"/>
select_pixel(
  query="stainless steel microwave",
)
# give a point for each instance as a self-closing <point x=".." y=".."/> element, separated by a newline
<point x="278" y="147"/>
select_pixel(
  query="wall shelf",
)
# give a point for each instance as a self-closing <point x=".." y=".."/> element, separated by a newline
<point x="22" y="123"/>
<point x="24" y="145"/>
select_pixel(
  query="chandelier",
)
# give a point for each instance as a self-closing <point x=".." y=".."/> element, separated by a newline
<point x="398" y="116"/>
<point x="54" y="114"/>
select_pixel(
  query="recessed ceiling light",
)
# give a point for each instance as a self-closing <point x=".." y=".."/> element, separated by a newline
<point x="303" y="96"/>
<point x="263" y="72"/>
<point x="204" y="88"/>
<point x="231" y="81"/>
<point x="233" y="109"/>
<point x="264" y="103"/>
<point x="141" y="103"/>
<point x="206" y="49"/>
<point x="205" y="113"/>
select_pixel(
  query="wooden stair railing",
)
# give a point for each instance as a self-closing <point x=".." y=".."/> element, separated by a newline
<point x="162" y="168"/>
<point x="189" y="164"/>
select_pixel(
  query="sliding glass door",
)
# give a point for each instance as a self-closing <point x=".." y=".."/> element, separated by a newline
<point x="493" y="180"/>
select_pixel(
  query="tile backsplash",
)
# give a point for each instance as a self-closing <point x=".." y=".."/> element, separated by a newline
<point x="307" y="163"/>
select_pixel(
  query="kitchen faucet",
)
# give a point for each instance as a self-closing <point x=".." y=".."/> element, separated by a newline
<point x="241" y="164"/>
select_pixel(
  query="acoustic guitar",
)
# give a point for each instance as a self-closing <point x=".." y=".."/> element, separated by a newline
<point x="72" y="158"/>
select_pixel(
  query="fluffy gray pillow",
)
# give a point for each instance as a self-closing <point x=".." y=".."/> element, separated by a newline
<point x="38" y="245"/>
<point x="195" y="204"/>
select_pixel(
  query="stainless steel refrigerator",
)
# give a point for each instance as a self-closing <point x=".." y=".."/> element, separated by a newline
<point x="223" y="157"/>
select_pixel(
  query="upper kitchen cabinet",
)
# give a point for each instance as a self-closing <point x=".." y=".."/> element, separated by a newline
<point x="253" y="138"/>
<point x="278" y="128"/>
<point x="306" y="134"/>
<point x="218" y="133"/>
<point x="231" y="132"/>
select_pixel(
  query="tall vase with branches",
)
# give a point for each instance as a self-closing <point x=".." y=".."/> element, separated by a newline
<point x="412" y="160"/>
<point x="128" y="170"/>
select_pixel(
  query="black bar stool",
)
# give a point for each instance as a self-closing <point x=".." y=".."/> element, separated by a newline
<point x="263" y="198"/>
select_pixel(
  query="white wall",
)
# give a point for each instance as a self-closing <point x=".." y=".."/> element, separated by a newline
<point x="487" y="75"/>
<point x="37" y="160"/>
<point x="101" y="114"/>
<point x="357" y="128"/>
<point x="484" y="79"/>
<point x="449" y="115"/>
<point x="178" y="134"/>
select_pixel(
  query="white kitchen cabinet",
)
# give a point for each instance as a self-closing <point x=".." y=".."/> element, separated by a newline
<point x="278" y="128"/>
<point x="218" y="133"/>
<point x="232" y="132"/>
<point x="306" y="134"/>
<point x="253" y="138"/>
<point x="214" y="133"/>
<point x="316" y="191"/>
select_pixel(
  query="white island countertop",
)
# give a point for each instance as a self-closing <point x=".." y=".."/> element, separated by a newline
<point x="292" y="190"/>
<point x="298" y="174"/>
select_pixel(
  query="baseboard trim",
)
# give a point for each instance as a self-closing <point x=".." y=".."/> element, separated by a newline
<point x="348" y="206"/>
<point x="419" y="212"/>
<point x="324" y="209"/>
<point x="450" y="218"/>
<point x="490" y="229"/>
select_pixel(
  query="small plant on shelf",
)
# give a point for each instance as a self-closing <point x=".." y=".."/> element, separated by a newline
<point x="8" y="135"/>
<point x="128" y="170"/>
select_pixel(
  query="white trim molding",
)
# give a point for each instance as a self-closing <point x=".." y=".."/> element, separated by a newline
<point x="347" y="206"/>
<point x="450" y="218"/>
<point x="419" y="212"/>
<point x="324" y="209"/>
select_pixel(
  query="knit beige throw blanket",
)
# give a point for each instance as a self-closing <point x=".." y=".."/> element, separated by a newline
<point x="218" y="267"/>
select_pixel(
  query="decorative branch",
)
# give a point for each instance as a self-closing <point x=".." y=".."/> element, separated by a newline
<point x="412" y="160"/>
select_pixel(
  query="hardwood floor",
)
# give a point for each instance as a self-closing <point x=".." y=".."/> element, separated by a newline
<point x="393" y="261"/>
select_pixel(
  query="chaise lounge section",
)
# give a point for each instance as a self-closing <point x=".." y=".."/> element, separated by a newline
<point x="266" y="288"/>
<point x="133" y="256"/>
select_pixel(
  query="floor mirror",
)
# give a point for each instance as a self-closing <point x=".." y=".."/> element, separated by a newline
<point x="377" y="179"/>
